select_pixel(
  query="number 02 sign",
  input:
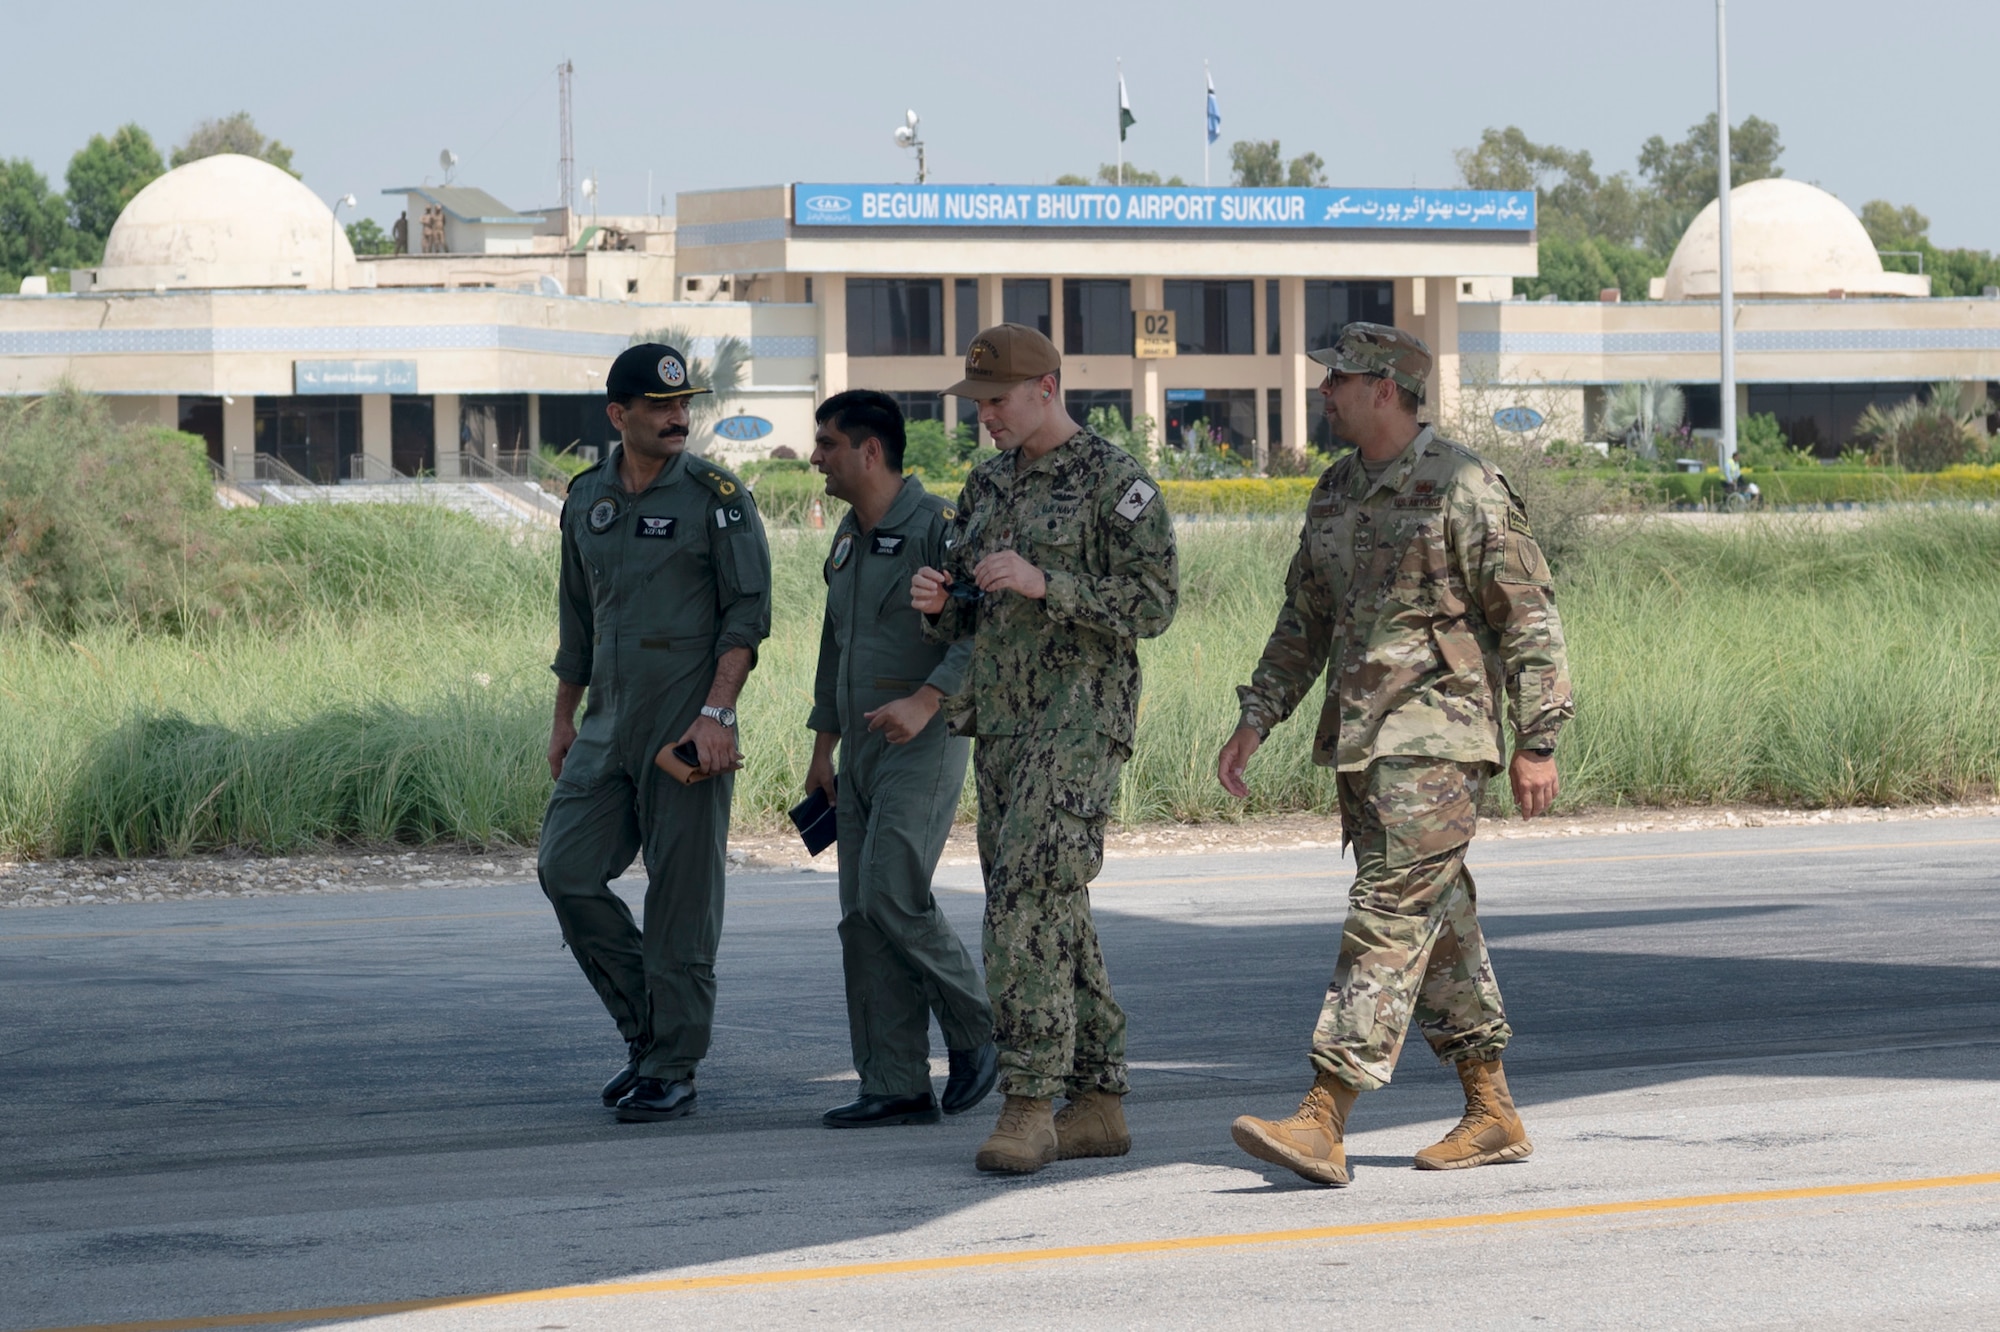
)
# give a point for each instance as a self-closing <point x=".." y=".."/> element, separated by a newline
<point x="1153" y="333"/>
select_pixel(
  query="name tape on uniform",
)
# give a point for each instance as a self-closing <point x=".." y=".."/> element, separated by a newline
<point x="888" y="543"/>
<point x="658" y="528"/>
<point x="1138" y="498"/>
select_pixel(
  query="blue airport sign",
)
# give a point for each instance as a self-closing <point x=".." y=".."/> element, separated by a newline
<point x="742" y="429"/>
<point x="1187" y="395"/>
<point x="354" y="376"/>
<point x="1159" y="208"/>
<point x="1517" y="419"/>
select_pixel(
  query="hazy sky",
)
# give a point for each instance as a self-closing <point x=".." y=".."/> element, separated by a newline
<point x="1874" y="101"/>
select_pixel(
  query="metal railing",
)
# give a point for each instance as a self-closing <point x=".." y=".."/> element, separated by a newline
<point x="361" y="467"/>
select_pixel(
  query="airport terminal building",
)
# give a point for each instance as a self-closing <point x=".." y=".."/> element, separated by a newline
<point x="230" y="304"/>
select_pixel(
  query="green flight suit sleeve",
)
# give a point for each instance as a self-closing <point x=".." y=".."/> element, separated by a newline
<point x="576" y="625"/>
<point x="1509" y="581"/>
<point x="742" y="560"/>
<point x="948" y="676"/>
<point x="825" y="714"/>
<point x="959" y="619"/>
<point x="1137" y="594"/>
<point x="1297" y="650"/>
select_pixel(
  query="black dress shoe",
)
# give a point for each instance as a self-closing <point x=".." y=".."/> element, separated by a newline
<point x="878" y="1111"/>
<point x="654" y="1099"/>
<point x="973" y="1073"/>
<point x="626" y="1078"/>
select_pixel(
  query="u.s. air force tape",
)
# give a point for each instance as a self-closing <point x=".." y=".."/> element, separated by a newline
<point x="1138" y="498"/>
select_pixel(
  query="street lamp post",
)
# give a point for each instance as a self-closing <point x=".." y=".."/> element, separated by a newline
<point x="333" y="241"/>
<point x="1726" y="446"/>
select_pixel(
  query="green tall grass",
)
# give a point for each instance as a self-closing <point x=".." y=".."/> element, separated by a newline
<point x="397" y="687"/>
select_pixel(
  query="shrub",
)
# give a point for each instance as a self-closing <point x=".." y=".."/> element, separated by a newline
<point x="1924" y="434"/>
<point x="103" y="523"/>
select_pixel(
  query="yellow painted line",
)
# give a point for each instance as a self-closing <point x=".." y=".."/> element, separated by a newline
<point x="1020" y="1257"/>
<point x="1491" y="865"/>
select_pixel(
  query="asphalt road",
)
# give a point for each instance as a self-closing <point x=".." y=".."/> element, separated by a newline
<point x="1724" y="1040"/>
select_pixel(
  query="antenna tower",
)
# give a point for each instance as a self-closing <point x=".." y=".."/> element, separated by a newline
<point x="566" y="170"/>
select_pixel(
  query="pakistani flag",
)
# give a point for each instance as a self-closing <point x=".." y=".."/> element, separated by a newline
<point x="1125" y="117"/>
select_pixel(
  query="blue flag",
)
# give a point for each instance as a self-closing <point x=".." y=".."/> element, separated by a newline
<point x="1214" y="111"/>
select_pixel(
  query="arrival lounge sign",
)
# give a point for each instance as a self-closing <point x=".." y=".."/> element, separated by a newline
<point x="1160" y="209"/>
<point x="354" y="376"/>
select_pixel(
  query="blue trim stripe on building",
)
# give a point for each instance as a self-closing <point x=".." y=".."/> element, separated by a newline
<point x="1708" y="342"/>
<point x="747" y="232"/>
<point x="358" y="340"/>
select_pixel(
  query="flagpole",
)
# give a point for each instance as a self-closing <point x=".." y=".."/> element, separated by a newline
<point x="1209" y="81"/>
<point x="1121" y="120"/>
<point x="1726" y="446"/>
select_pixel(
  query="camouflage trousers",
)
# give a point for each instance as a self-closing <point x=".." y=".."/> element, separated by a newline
<point x="1043" y="801"/>
<point x="1411" y="945"/>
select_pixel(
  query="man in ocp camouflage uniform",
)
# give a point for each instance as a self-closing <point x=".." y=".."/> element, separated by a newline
<point x="1419" y="588"/>
<point x="1062" y="558"/>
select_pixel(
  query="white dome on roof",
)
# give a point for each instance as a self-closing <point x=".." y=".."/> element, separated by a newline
<point x="225" y="221"/>
<point x="1788" y="239"/>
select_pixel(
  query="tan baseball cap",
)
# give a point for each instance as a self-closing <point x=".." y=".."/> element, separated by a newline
<point x="1377" y="349"/>
<point x="1003" y="356"/>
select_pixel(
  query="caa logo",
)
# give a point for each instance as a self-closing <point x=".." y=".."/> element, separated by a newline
<point x="828" y="203"/>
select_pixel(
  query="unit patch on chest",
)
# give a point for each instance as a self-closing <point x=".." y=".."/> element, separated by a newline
<point x="888" y="543"/>
<point x="658" y="528"/>
<point x="1139" y="497"/>
<point x="602" y="514"/>
<point x="842" y="549"/>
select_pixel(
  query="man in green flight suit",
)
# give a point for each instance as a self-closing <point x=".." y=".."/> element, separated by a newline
<point x="1419" y="589"/>
<point x="1062" y="559"/>
<point x="876" y="697"/>
<point x="665" y="594"/>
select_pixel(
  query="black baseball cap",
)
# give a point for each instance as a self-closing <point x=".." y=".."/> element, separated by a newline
<point x="650" y="370"/>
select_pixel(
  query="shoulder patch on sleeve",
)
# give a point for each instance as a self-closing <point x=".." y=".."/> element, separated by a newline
<point x="1518" y="521"/>
<point x="1138" y="498"/>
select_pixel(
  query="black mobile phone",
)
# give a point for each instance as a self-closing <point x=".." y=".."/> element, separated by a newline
<point x="967" y="592"/>
<point x="688" y="754"/>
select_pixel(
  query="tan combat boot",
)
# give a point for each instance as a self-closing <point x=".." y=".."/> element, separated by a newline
<point x="1092" y="1124"/>
<point x="1309" y="1143"/>
<point x="1023" y="1141"/>
<point x="1491" y="1130"/>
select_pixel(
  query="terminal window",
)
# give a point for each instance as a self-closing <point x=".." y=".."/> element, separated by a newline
<point x="1097" y="317"/>
<point x="965" y="312"/>
<point x="1026" y="301"/>
<point x="1212" y="318"/>
<point x="1330" y="306"/>
<point x="312" y="434"/>
<point x="895" y="316"/>
<point x="1229" y="414"/>
<point x="920" y="406"/>
<point x="1080" y="403"/>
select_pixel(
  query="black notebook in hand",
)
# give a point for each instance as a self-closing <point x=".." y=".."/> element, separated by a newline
<point x="814" y="818"/>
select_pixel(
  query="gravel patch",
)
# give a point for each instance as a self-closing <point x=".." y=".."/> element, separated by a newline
<point x="203" y="878"/>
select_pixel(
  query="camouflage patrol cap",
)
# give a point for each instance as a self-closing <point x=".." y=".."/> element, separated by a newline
<point x="1003" y="356"/>
<point x="1377" y="349"/>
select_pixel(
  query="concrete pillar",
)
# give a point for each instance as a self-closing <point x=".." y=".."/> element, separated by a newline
<point x="1295" y="369"/>
<point x="831" y="289"/>
<point x="1148" y="293"/>
<point x="534" y="422"/>
<point x="375" y="435"/>
<point x="1441" y="332"/>
<point x="444" y="426"/>
<point x="992" y="306"/>
<point x="239" y="435"/>
<point x="1260" y="314"/>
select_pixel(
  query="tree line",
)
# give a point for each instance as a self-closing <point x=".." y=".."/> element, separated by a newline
<point x="46" y="231"/>
<point x="1620" y="230"/>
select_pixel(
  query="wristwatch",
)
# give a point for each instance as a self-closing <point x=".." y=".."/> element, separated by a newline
<point x="1539" y="748"/>
<point x="727" y="716"/>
